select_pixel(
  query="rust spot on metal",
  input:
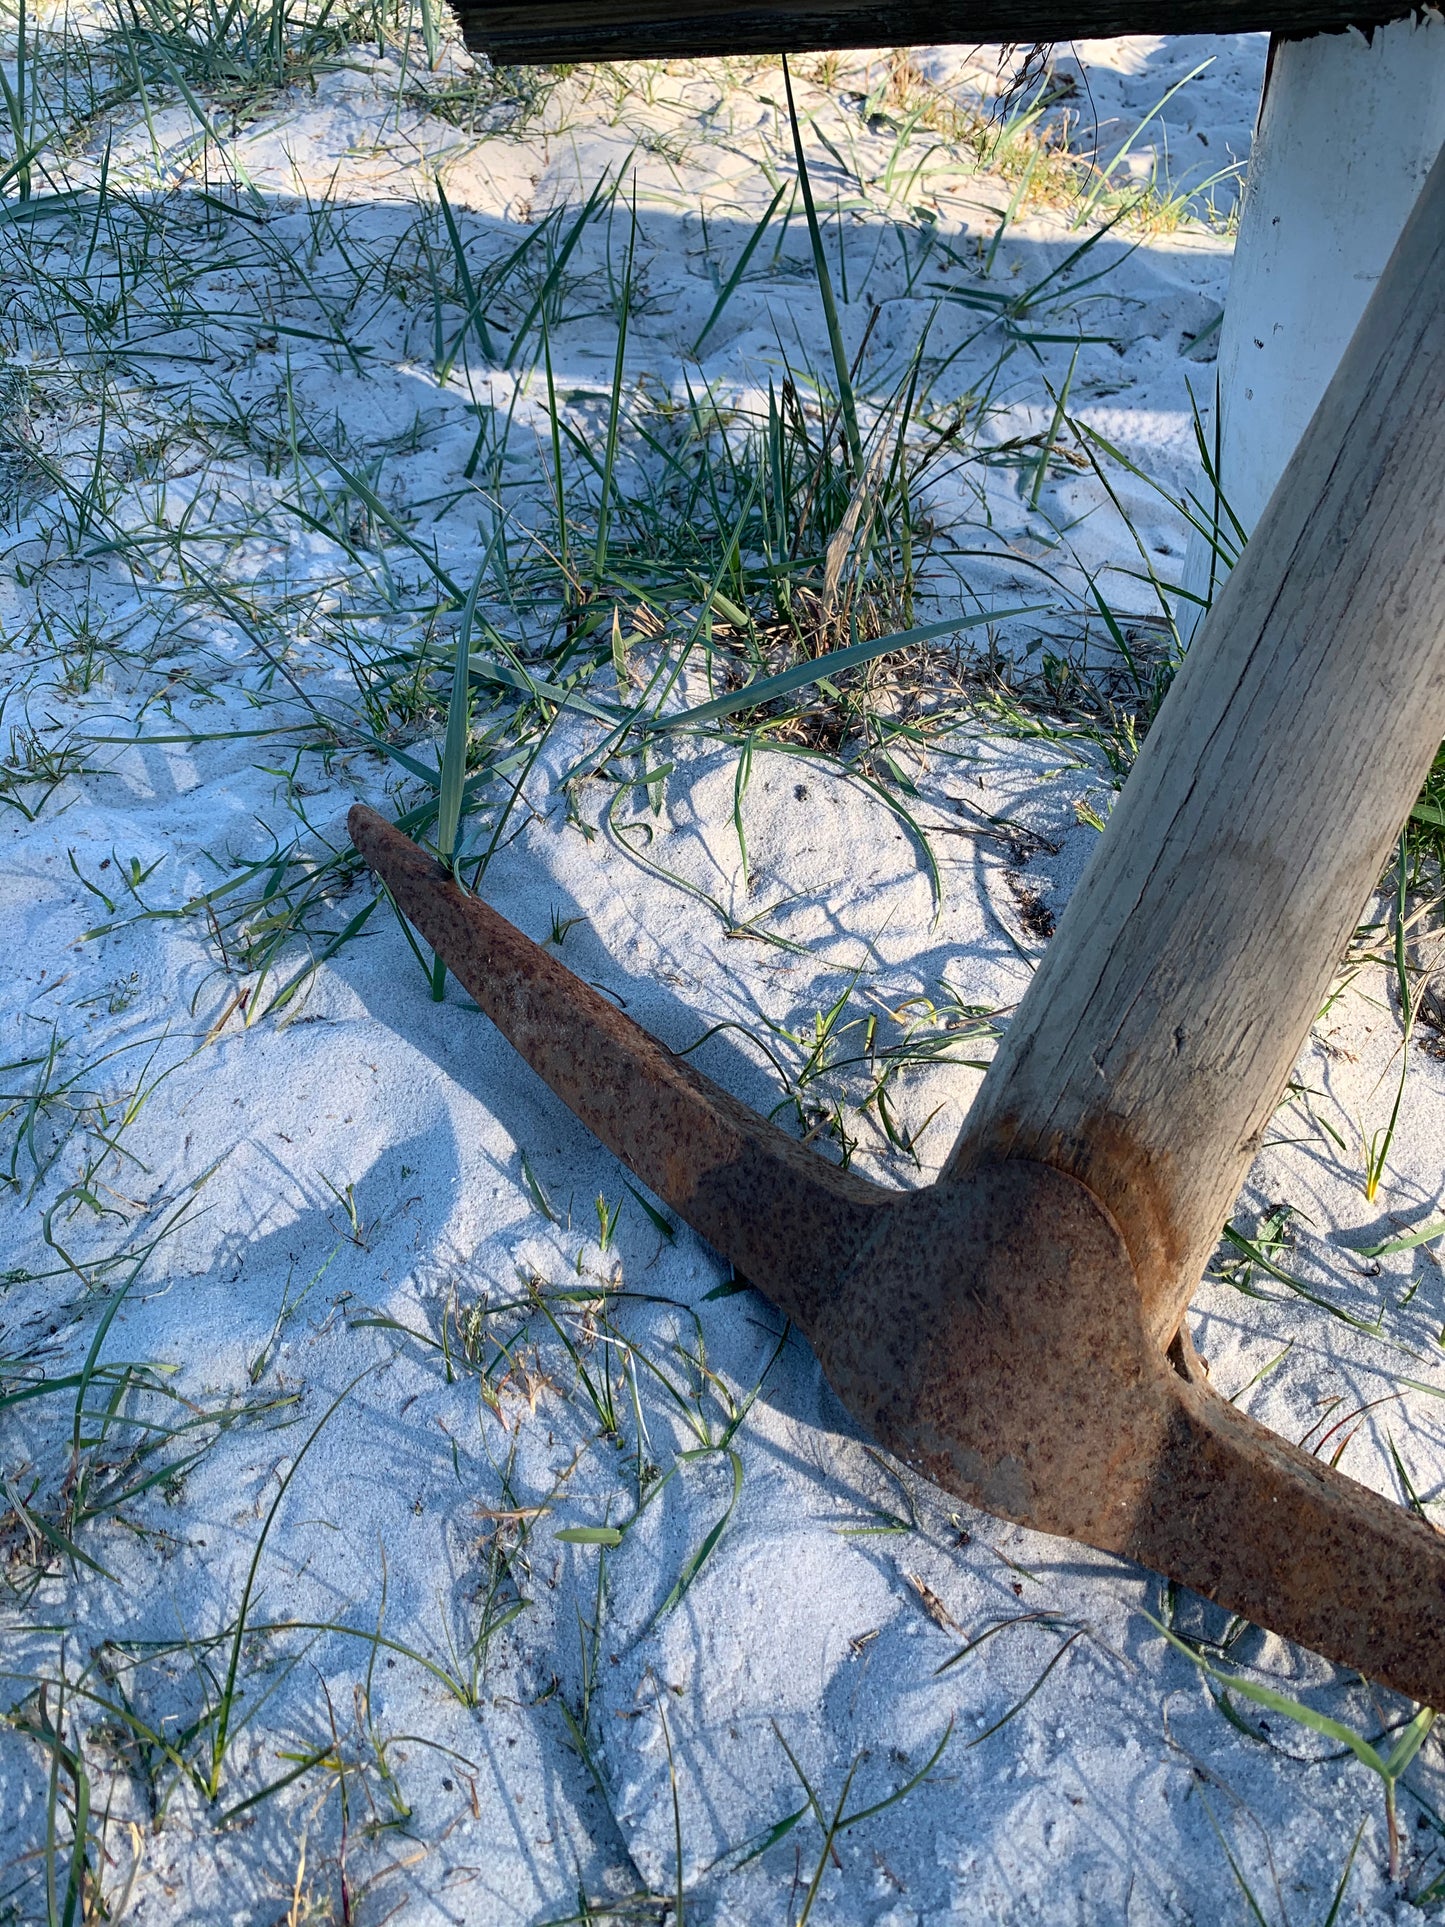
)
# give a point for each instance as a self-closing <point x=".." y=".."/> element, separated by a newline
<point x="1010" y="1330"/>
<point x="1135" y="1185"/>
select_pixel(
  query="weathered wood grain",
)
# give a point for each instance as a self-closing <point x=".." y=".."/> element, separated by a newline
<point x="576" y="30"/>
<point x="1150" y="1050"/>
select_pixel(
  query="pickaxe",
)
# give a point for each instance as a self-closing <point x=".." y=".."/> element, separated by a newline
<point x="1015" y="1330"/>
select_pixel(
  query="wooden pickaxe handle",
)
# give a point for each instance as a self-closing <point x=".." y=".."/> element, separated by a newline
<point x="1156" y="1037"/>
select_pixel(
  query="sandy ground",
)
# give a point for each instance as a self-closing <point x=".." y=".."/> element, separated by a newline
<point x="514" y="1725"/>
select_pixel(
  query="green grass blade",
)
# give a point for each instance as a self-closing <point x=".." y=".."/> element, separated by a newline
<point x="700" y="1558"/>
<point x="1281" y="1703"/>
<point x="555" y="272"/>
<point x="842" y="373"/>
<point x="900" y="1793"/>
<point x="1407" y="1243"/>
<point x="476" y="319"/>
<point x="614" y="412"/>
<point x="740" y="268"/>
<point x="221" y="1736"/>
<point x="768" y="688"/>
<point x="459" y="715"/>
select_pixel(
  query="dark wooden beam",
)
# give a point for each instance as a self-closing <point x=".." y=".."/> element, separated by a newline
<point x="546" y="32"/>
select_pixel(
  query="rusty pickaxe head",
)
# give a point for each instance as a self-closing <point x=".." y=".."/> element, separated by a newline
<point x="989" y="1329"/>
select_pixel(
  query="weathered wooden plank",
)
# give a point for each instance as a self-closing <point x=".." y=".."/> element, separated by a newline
<point x="1151" y="1047"/>
<point x="554" y="31"/>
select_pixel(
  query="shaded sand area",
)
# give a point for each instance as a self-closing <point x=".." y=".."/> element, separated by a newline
<point x="404" y="1518"/>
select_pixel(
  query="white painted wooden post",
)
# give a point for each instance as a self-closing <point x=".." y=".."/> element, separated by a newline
<point x="1348" y="130"/>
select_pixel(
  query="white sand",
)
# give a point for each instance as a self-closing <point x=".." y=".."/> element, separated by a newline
<point x="1117" y="1792"/>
